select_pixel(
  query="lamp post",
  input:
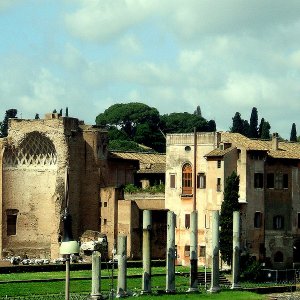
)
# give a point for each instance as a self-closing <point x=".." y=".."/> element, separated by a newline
<point x="69" y="245"/>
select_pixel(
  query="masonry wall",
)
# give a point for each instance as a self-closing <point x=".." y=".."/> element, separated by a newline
<point x="180" y="149"/>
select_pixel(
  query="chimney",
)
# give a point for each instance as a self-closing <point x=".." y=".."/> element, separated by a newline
<point x="275" y="141"/>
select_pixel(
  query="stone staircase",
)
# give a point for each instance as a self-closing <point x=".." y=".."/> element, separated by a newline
<point x="222" y="279"/>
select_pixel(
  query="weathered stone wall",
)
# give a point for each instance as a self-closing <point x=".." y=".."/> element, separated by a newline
<point x="36" y="155"/>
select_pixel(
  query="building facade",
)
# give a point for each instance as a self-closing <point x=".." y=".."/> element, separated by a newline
<point x="269" y="193"/>
<point x="34" y="158"/>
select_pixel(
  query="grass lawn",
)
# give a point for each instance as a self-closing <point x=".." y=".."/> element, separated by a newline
<point x="133" y="284"/>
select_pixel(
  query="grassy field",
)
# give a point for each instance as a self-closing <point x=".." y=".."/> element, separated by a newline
<point x="83" y="285"/>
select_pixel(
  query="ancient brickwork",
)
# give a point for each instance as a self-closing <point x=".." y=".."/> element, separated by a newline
<point x="34" y="158"/>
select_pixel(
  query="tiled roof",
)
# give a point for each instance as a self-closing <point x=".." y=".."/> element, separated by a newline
<point x="149" y="162"/>
<point x="218" y="152"/>
<point x="289" y="150"/>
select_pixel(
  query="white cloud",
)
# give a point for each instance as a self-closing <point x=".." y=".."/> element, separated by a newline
<point x="5" y="4"/>
<point x="103" y="20"/>
<point x="130" y="44"/>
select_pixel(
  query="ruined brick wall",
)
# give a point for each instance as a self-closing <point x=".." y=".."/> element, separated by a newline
<point x="35" y="156"/>
<point x="34" y="161"/>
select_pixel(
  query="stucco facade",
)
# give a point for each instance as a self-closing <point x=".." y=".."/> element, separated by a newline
<point x="269" y="193"/>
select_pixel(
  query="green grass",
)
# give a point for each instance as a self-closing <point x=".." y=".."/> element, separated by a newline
<point x="133" y="284"/>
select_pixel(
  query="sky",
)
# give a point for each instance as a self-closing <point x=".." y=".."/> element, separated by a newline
<point x="226" y="56"/>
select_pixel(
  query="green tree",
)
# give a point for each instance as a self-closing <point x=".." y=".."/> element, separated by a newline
<point x="183" y="123"/>
<point x="133" y="121"/>
<point x="253" y="130"/>
<point x="265" y="133"/>
<point x="198" y="111"/>
<point x="237" y="124"/>
<point x="229" y="205"/>
<point x="260" y="127"/>
<point x="37" y="116"/>
<point x="211" y="126"/>
<point x="293" y="137"/>
<point x="9" y="114"/>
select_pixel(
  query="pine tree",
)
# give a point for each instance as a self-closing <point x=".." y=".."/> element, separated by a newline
<point x="237" y="124"/>
<point x="261" y="127"/>
<point x="198" y="111"/>
<point x="246" y="128"/>
<point x="9" y="114"/>
<point x="265" y="132"/>
<point x="253" y="130"/>
<point x="229" y="205"/>
<point x="293" y="137"/>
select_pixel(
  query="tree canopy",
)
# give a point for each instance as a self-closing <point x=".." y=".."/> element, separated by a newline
<point x="229" y="205"/>
<point x="9" y="114"/>
<point x="253" y="129"/>
<point x="239" y="125"/>
<point x="293" y="136"/>
<point x="134" y="122"/>
<point x="142" y="124"/>
<point x="183" y="123"/>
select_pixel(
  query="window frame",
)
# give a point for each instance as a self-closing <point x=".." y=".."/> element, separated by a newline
<point x="187" y="179"/>
<point x="258" y="180"/>
<point x="257" y="219"/>
<point x="11" y="224"/>
<point x="172" y="181"/>
<point x="278" y="222"/>
<point x="201" y="180"/>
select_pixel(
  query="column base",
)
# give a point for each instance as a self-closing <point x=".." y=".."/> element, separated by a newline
<point x="146" y="293"/>
<point x="215" y="289"/>
<point x="96" y="297"/>
<point x="236" y="286"/>
<point x="193" y="290"/>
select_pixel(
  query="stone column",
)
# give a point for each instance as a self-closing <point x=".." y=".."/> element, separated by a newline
<point x="146" y="280"/>
<point x="96" y="276"/>
<point x="236" y="250"/>
<point x="215" y="287"/>
<point x="122" y="266"/>
<point x="170" y="278"/>
<point x="194" y="253"/>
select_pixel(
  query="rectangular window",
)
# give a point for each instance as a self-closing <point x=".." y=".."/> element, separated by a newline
<point x="257" y="219"/>
<point x="278" y="222"/>
<point x="218" y="184"/>
<point x="187" y="250"/>
<point x="11" y="225"/>
<point x="206" y="222"/>
<point x="172" y="181"/>
<point x="278" y="181"/>
<point x="258" y="180"/>
<point x="219" y="164"/>
<point x="285" y="180"/>
<point x="201" y="181"/>
<point x="105" y="204"/>
<point x="270" y="180"/>
<point x="187" y="222"/>
<point x="202" y="251"/>
<point x="104" y="221"/>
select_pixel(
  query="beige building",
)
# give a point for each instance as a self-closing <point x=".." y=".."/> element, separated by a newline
<point x="34" y="157"/>
<point x="269" y="192"/>
<point x="121" y="213"/>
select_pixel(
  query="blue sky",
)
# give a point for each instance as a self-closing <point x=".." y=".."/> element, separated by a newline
<point x="224" y="55"/>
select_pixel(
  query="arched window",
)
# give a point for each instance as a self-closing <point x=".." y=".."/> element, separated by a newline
<point x="278" y="256"/>
<point x="187" y="179"/>
<point x="35" y="150"/>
